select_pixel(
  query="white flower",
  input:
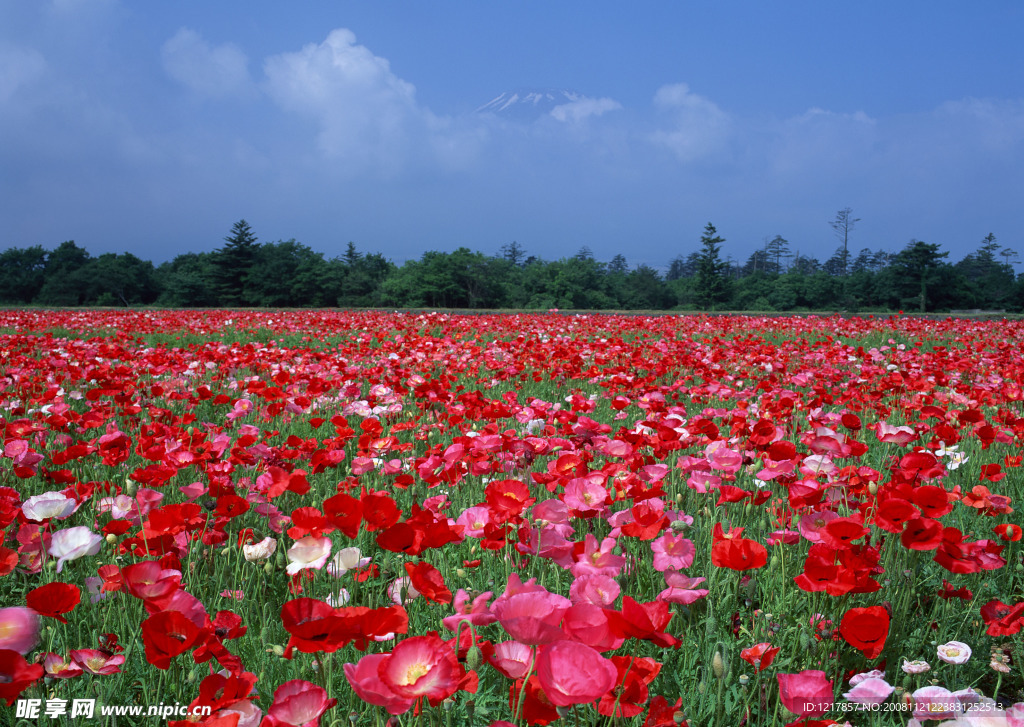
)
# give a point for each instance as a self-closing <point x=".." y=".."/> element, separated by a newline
<point x="73" y="543"/>
<point x="259" y="551"/>
<point x="48" y="505"/>
<point x="954" y="652"/>
<point x="345" y="560"/>
<point x="308" y="552"/>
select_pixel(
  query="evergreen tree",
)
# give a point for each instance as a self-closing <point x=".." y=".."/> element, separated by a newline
<point x="842" y="226"/>
<point x="514" y="253"/>
<point x="778" y="250"/>
<point x="232" y="264"/>
<point x="713" y="284"/>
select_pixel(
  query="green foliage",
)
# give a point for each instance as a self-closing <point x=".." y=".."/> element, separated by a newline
<point x="713" y="284"/>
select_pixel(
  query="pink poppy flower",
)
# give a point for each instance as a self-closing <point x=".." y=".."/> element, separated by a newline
<point x="599" y="590"/>
<point x="532" y="617"/>
<point x="934" y="703"/>
<point x="573" y="673"/>
<point x="598" y="559"/>
<point x="585" y="496"/>
<point x="421" y="666"/>
<point x="477" y="614"/>
<point x="474" y="520"/>
<point x="57" y="667"/>
<point x="512" y="659"/>
<point x="869" y="692"/>
<point x="681" y="589"/>
<point x="298" y="703"/>
<point x="19" y="629"/>
<point x="811" y="524"/>
<point x="589" y="624"/>
<point x="96" y="661"/>
<point x="74" y="543"/>
<point x="368" y="686"/>
<point x="807" y="694"/>
<point x="672" y="552"/>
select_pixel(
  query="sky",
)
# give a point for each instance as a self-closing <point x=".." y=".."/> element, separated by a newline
<point x="151" y="127"/>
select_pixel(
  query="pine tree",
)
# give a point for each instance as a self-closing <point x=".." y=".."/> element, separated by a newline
<point x="232" y="264"/>
<point x="713" y="284"/>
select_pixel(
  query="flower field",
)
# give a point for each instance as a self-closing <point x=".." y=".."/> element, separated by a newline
<point x="357" y="518"/>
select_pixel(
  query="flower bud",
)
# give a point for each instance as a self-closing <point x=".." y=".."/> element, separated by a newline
<point x="277" y="650"/>
<point x="717" y="665"/>
<point x="111" y="538"/>
<point x="474" y="657"/>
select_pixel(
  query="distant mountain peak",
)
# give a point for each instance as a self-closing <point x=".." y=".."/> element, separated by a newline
<point x="529" y="103"/>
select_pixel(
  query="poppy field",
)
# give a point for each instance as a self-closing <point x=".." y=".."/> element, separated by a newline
<point x="363" y="518"/>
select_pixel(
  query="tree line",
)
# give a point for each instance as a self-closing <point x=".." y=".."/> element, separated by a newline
<point x="244" y="272"/>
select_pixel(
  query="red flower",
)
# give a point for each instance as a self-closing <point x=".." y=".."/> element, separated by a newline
<point x="922" y="534"/>
<point x="54" y="599"/>
<point x="760" y="656"/>
<point x="866" y="629"/>
<point x="429" y="582"/>
<point x="16" y="675"/>
<point x="345" y="513"/>
<point x="633" y="676"/>
<point x="732" y="551"/>
<point x="1002" y="619"/>
<point x="1008" y="532"/>
<point x="167" y="634"/>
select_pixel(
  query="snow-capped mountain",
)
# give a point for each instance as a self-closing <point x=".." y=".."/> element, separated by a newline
<point x="528" y="104"/>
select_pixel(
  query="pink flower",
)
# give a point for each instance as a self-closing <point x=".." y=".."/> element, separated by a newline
<point x="672" y="552"/>
<point x="19" y="629"/>
<point x="573" y="673"/>
<point x="96" y="661"/>
<point x="915" y="667"/>
<point x="589" y="624"/>
<point x="401" y="591"/>
<point x="811" y="524"/>
<point x="367" y="685"/>
<point x="512" y="659"/>
<point x="73" y="543"/>
<point x="934" y="703"/>
<point x="681" y="589"/>
<point x="901" y="436"/>
<point x="869" y="692"/>
<point x="474" y="520"/>
<point x="57" y="667"/>
<point x="299" y="703"/>
<point x="599" y="590"/>
<point x="477" y="614"/>
<point x="585" y="496"/>
<point x="598" y="560"/>
<point x="308" y="552"/>
<point x="954" y="652"/>
<point x="807" y="694"/>
<point x="421" y="666"/>
<point x="532" y="617"/>
<point x="530" y="613"/>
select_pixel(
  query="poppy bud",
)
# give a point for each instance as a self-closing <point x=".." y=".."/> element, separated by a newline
<point x="129" y="488"/>
<point x="679" y="526"/>
<point x="111" y="538"/>
<point x="277" y="649"/>
<point x="805" y="641"/>
<point x="191" y="678"/>
<point x="474" y="657"/>
<point x="225" y="551"/>
<point x="460" y="572"/>
<point x="873" y="488"/>
<point x="717" y="665"/>
<point x="679" y="498"/>
<point x="268" y="567"/>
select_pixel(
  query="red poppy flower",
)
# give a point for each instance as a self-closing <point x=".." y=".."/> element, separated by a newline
<point x="735" y="552"/>
<point x="647" y="522"/>
<point x="167" y="634"/>
<point x="1009" y="532"/>
<point x="54" y="599"/>
<point x="760" y="656"/>
<point x="633" y="675"/>
<point x="345" y="513"/>
<point x="866" y="629"/>
<point x="922" y="534"/>
<point x="947" y="591"/>
<point x="422" y="666"/>
<point x="16" y="675"/>
<point x="1003" y="619"/>
<point x="429" y="582"/>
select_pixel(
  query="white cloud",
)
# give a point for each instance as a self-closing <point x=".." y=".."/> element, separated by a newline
<point x="581" y="108"/>
<point x="215" y="71"/>
<point x="19" y="68"/>
<point x="698" y="127"/>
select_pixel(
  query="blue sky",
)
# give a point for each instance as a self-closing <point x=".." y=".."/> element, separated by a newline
<point x="151" y="127"/>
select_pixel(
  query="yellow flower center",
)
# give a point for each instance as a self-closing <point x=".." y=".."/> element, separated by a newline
<point x="414" y="672"/>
